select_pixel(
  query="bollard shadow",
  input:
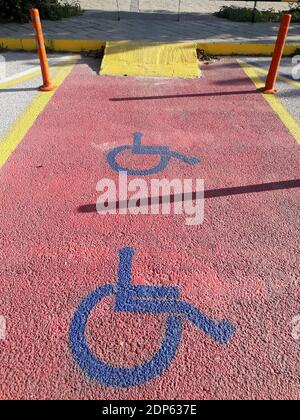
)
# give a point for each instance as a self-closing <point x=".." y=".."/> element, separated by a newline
<point x="208" y="194"/>
<point x="32" y="89"/>
<point x="187" y="95"/>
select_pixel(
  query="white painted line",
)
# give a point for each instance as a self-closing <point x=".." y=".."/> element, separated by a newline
<point x="21" y="74"/>
<point x="52" y="62"/>
<point x="296" y="328"/>
<point x="2" y="327"/>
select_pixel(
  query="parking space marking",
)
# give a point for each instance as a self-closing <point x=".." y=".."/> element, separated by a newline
<point x="139" y="299"/>
<point x="19" y="78"/>
<point x="2" y="328"/>
<point x="34" y="72"/>
<point x="16" y="134"/>
<point x="280" y="110"/>
<point x="280" y="77"/>
<point x="71" y="301"/>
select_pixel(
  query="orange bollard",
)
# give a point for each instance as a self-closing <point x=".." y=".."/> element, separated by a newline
<point x="36" y="21"/>
<point x="270" y="86"/>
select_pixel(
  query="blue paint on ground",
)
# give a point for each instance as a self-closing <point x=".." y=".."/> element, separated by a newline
<point x="139" y="299"/>
<point x="138" y="149"/>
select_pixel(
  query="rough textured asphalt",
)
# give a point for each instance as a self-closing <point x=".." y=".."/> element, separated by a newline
<point x="14" y="99"/>
<point x="241" y="265"/>
<point x="17" y="62"/>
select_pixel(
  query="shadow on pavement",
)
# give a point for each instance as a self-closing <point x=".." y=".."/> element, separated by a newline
<point x="187" y="95"/>
<point x="220" y="192"/>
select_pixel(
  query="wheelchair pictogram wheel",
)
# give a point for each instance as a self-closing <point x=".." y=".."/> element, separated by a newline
<point x="114" y="376"/>
<point x="112" y="160"/>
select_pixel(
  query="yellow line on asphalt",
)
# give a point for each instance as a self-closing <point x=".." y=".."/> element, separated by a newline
<point x="35" y="73"/>
<point x="18" y="80"/>
<point x="282" y="78"/>
<point x="283" y="114"/>
<point x="15" y="135"/>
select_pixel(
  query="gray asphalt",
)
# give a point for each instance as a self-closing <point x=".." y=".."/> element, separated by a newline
<point x="287" y="93"/>
<point x="290" y="96"/>
<point x="17" y="62"/>
<point x="286" y="68"/>
<point x="15" y="99"/>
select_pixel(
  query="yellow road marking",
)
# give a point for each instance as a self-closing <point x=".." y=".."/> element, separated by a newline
<point x="35" y="73"/>
<point x="18" y="80"/>
<point x="282" y="78"/>
<point x="150" y="59"/>
<point x="283" y="114"/>
<point x="15" y="135"/>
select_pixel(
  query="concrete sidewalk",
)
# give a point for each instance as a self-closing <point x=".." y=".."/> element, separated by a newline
<point x="197" y="24"/>
<point x="186" y="6"/>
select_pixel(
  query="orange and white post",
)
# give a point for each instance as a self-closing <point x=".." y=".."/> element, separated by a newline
<point x="47" y="82"/>
<point x="270" y="86"/>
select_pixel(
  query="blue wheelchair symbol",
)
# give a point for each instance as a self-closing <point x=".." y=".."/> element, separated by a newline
<point x="138" y="149"/>
<point x="139" y="299"/>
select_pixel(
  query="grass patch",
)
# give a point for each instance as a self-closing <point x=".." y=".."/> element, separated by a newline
<point x="245" y="14"/>
<point x="19" y="10"/>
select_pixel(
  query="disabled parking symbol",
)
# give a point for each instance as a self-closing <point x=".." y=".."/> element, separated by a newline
<point x="138" y="149"/>
<point x="139" y="299"/>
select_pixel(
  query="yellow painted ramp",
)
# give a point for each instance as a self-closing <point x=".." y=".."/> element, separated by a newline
<point x="150" y="59"/>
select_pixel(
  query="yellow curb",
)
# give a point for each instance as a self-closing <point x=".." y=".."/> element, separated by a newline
<point x="245" y="49"/>
<point x="59" y="45"/>
<point x="218" y="48"/>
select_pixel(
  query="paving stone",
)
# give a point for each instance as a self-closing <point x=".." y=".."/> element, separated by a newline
<point x="197" y="23"/>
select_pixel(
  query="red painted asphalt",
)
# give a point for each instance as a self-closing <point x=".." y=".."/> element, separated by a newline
<point x="242" y="264"/>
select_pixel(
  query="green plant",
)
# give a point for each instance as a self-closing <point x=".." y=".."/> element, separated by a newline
<point x="295" y="11"/>
<point x="245" y="14"/>
<point x="18" y="10"/>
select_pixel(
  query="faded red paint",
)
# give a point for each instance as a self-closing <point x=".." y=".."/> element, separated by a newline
<point x="242" y="264"/>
